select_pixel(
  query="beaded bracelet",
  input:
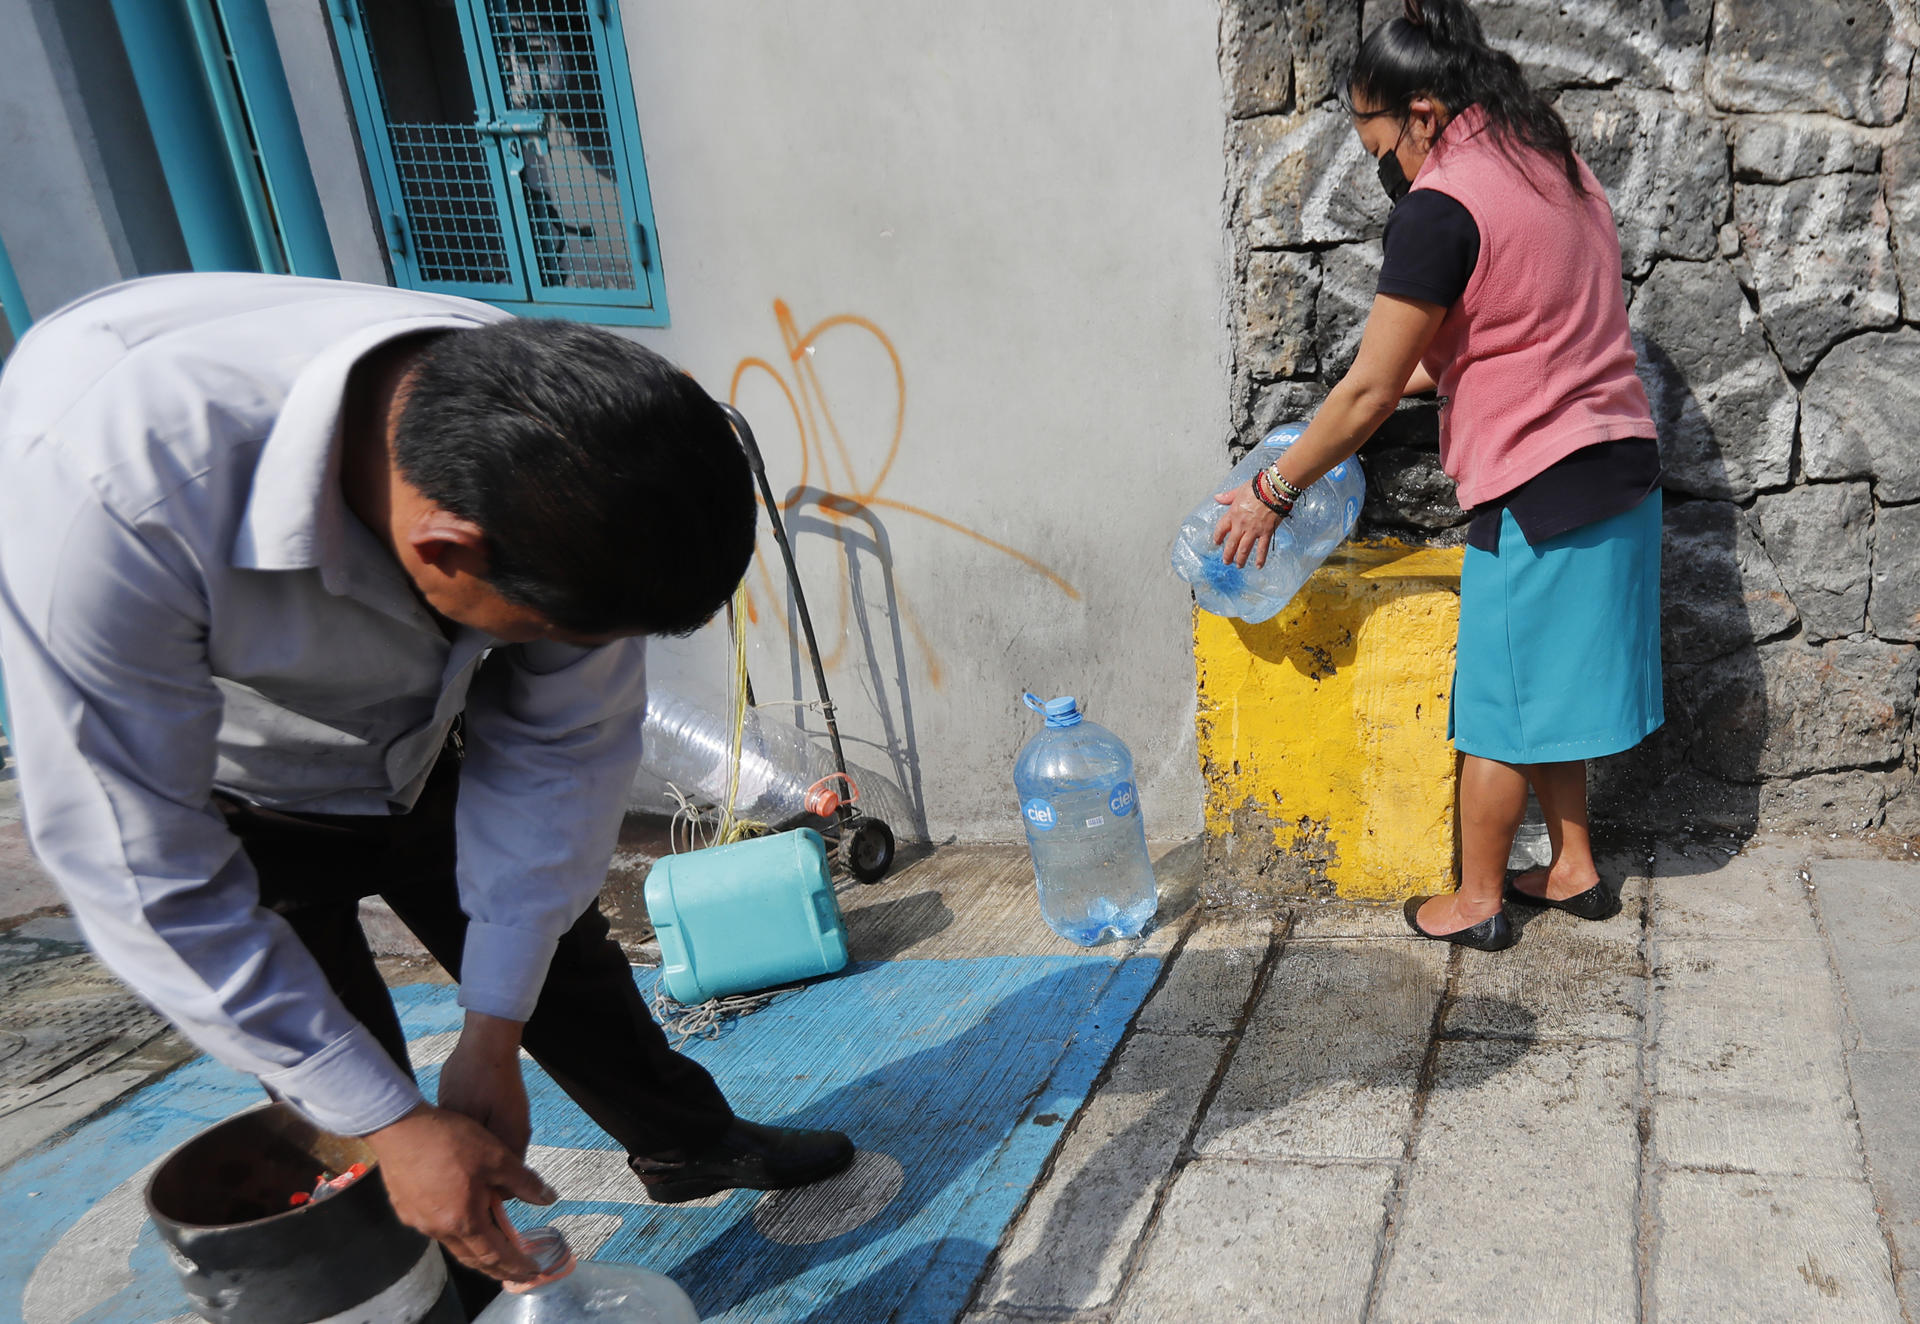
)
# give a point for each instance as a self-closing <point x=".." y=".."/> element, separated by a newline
<point x="1267" y="497"/>
<point x="1280" y="484"/>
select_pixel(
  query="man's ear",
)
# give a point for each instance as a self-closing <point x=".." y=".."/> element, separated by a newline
<point x="448" y="543"/>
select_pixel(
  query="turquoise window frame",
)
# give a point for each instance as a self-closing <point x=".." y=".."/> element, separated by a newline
<point x="12" y="298"/>
<point x="229" y="144"/>
<point x="525" y="295"/>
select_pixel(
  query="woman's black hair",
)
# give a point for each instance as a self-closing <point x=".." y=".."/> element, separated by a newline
<point x="1437" y="49"/>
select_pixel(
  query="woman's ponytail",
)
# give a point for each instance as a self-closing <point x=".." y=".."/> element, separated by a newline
<point x="1438" y="49"/>
<point x="1446" y="22"/>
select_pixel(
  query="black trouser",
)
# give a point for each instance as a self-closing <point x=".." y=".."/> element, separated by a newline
<point x="590" y="1030"/>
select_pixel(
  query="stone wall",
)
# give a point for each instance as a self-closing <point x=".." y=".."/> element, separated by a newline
<point x="1764" y="166"/>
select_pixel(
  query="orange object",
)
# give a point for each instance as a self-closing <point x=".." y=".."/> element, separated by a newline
<point x="824" y="802"/>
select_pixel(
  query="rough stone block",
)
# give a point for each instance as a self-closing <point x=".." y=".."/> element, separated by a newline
<point x="1719" y="591"/>
<point x="1074" y="1238"/>
<point x="1884" y="1088"/>
<point x="1256" y="59"/>
<point x="1901" y="179"/>
<point x="1747" y="1073"/>
<point x="1349" y="279"/>
<point x="1207" y="986"/>
<point x="1251" y="1241"/>
<point x="1278" y="404"/>
<point x="1449" y="1263"/>
<point x="1569" y="1108"/>
<point x="1580" y="980"/>
<point x="1902" y="812"/>
<point x="1325" y="39"/>
<point x="1872" y="915"/>
<point x="1826" y="801"/>
<point x="1847" y="57"/>
<point x="1320" y="921"/>
<point x="1281" y="291"/>
<point x="1304" y="179"/>
<point x="1894" y="605"/>
<point x="24" y="886"/>
<point x="1793" y="708"/>
<point x="1551" y="1143"/>
<point x="1820" y="537"/>
<point x="1732" y="1246"/>
<point x="1664" y="168"/>
<point x="1407" y="490"/>
<point x="1775" y="151"/>
<point x="1602" y="42"/>
<point x="1701" y="893"/>
<point x="1859" y="410"/>
<point x="1359" y="802"/>
<point x="1817" y="253"/>
<point x="1328" y="1066"/>
<point x="1724" y="409"/>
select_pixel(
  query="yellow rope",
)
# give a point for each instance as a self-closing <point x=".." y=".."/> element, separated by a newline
<point x="732" y="827"/>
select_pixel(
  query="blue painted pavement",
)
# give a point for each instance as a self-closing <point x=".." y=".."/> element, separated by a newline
<point x="954" y="1078"/>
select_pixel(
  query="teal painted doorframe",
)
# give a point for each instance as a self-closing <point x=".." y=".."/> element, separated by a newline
<point x="206" y="130"/>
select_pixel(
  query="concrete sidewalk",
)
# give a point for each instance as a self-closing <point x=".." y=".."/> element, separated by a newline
<point x="1703" y="1109"/>
<point x="1700" y="1110"/>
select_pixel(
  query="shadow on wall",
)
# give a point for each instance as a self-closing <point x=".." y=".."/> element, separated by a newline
<point x="872" y="609"/>
<point x="845" y="450"/>
<point x="1719" y="599"/>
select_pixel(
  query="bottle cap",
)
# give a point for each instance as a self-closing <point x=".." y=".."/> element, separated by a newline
<point x="548" y="1248"/>
<point x="1064" y="711"/>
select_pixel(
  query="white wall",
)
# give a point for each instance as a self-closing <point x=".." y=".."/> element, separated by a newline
<point x="1024" y="202"/>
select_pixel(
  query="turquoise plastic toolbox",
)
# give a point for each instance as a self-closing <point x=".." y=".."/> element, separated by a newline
<point x="735" y="919"/>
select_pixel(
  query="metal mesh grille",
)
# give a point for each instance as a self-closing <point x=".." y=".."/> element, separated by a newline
<point x="446" y="176"/>
<point x="547" y="64"/>
<point x="452" y="208"/>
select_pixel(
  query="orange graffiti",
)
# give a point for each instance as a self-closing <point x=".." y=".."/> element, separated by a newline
<point x="842" y="497"/>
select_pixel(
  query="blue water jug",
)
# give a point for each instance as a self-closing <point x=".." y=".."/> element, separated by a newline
<point x="1084" y="829"/>
<point x="1321" y="520"/>
<point x="740" y="918"/>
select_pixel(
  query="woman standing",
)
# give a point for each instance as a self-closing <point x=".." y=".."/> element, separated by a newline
<point x="1501" y="288"/>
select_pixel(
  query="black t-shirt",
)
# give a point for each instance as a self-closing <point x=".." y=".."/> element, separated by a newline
<point x="1432" y="249"/>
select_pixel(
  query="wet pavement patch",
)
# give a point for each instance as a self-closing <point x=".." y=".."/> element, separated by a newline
<point x="951" y="1076"/>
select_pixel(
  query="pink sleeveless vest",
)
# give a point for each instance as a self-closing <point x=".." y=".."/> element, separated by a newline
<point x="1534" y="361"/>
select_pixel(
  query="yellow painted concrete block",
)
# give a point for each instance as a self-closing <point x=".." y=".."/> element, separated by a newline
<point x="1323" y="732"/>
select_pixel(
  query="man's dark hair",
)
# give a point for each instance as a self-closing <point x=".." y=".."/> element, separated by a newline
<point x="611" y="489"/>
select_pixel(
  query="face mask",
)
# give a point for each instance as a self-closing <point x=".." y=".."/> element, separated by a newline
<point x="1392" y="177"/>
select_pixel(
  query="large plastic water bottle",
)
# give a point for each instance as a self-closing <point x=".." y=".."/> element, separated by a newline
<point x="571" y="1291"/>
<point x="1089" y="843"/>
<point x="692" y="747"/>
<point x="1321" y="520"/>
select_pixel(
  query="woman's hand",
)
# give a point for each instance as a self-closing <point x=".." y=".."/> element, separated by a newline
<point x="1246" y="527"/>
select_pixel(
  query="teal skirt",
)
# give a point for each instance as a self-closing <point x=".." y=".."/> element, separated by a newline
<point x="1559" y="654"/>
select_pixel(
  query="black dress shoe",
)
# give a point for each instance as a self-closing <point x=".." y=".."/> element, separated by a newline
<point x="759" y="1158"/>
<point x="1489" y="935"/>
<point x="1597" y="902"/>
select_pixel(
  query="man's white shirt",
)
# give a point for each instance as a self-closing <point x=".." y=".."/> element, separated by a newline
<point x="187" y="605"/>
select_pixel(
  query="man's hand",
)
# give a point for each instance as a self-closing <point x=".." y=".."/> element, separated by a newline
<point x="482" y="1080"/>
<point x="443" y="1173"/>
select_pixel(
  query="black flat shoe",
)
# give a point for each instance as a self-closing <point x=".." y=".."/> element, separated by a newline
<point x="1597" y="902"/>
<point x="1489" y="935"/>
<point x="758" y="1158"/>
